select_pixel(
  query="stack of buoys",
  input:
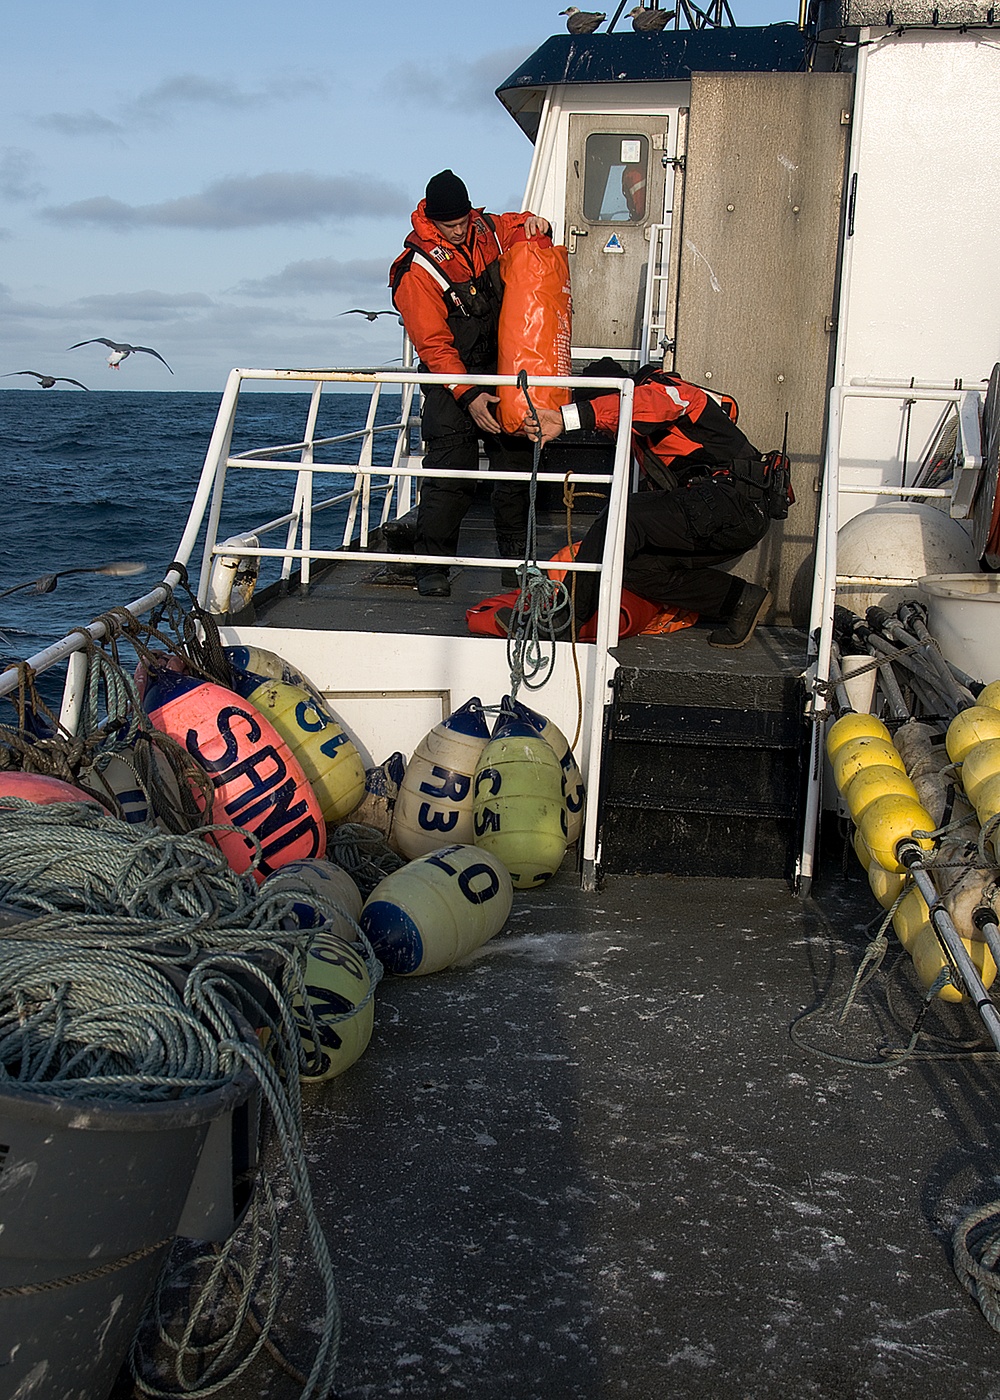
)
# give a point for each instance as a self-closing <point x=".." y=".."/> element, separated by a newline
<point x="434" y="804"/>
<point x="973" y="742"/>
<point x="259" y="785"/>
<point x="883" y="805"/>
<point x="437" y="909"/>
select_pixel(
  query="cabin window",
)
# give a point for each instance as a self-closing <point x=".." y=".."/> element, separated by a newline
<point x="614" y="178"/>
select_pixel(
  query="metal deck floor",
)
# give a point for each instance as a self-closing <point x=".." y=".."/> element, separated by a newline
<point x="590" y="1162"/>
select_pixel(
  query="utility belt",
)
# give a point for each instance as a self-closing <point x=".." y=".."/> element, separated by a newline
<point x="766" y="480"/>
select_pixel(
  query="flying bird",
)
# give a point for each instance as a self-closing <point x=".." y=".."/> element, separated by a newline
<point x="370" y="315"/>
<point x="650" y="21"/>
<point x="45" y="380"/>
<point x="582" y="21"/>
<point x="120" y="352"/>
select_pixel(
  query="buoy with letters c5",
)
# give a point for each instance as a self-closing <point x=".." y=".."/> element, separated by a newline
<point x="434" y="804"/>
<point x="519" y="812"/>
<point x="437" y="909"/>
<point x="573" y="788"/>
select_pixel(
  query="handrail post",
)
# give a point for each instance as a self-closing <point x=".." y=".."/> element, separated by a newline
<point x="212" y="480"/>
<point x="608" y="620"/>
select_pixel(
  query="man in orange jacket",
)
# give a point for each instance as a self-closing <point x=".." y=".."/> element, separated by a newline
<point x="446" y="286"/>
<point x="705" y="508"/>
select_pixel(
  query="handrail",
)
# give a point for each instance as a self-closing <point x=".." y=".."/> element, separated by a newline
<point x="825" y="579"/>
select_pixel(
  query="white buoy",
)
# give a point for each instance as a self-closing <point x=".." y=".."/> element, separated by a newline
<point x="434" y="804"/>
<point x="519" y="812"/>
<point x="437" y="909"/>
<point x="325" y="896"/>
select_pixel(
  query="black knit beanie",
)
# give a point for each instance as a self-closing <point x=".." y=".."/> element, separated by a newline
<point x="446" y="198"/>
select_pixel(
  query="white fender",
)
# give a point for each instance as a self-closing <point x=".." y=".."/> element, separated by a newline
<point x="233" y="579"/>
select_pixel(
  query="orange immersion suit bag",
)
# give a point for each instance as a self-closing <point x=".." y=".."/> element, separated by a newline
<point x="535" y="322"/>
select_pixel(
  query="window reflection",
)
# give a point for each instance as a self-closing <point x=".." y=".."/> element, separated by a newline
<point x="614" y="178"/>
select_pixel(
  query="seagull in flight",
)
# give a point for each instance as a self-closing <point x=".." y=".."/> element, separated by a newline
<point x="45" y="380"/>
<point x="120" y="351"/>
<point x="582" y="21"/>
<point x="370" y="315"/>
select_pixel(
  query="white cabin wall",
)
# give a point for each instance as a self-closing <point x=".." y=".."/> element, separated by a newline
<point x="921" y="282"/>
<point x="545" y="192"/>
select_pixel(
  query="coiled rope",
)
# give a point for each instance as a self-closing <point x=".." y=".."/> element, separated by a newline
<point x="196" y="961"/>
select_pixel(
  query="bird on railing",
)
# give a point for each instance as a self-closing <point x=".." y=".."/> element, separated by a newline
<point x="582" y="21"/>
<point x="120" y="351"/>
<point x="370" y="315"/>
<point x="45" y="380"/>
<point x="650" y="21"/>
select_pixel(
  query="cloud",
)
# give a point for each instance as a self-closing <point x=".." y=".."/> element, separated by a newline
<point x="247" y="201"/>
<point x="17" y="168"/>
<point x="142" y="306"/>
<point x="157" y="105"/>
<point x="453" y="84"/>
<point x="89" y="123"/>
<point x="317" y="276"/>
<point x="5" y="235"/>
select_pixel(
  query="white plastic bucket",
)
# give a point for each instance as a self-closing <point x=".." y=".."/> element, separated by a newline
<point x="963" y="614"/>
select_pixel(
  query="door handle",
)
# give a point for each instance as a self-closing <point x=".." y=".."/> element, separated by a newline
<point x="572" y="234"/>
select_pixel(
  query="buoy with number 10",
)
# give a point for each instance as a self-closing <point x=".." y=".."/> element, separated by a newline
<point x="437" y="909"/>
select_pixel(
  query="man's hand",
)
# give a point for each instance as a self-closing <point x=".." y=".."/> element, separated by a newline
<point x="479" y="410"/>
<point x="534" y="223"/>
<point x="551" y="425"/>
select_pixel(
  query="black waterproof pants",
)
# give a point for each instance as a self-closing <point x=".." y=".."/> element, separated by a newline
<point x="673" y="542"/>
<point x="452" y="442"/>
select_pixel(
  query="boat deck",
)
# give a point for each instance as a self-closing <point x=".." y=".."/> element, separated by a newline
<point x="590" y="1162"/>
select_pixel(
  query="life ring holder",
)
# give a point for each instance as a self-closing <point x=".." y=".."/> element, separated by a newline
<point x="233" y="578"/>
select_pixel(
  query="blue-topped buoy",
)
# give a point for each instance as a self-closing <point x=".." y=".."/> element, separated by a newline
<point x="574" y="791"/>
<point x="519" y="814"/>
<point x="437" y="909"/>
<point x="434" y="805"/>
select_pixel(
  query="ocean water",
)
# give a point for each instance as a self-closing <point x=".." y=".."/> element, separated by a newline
<point x="99" y="476"/>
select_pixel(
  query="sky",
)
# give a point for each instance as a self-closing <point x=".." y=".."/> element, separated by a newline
<point x="220" y="180"/>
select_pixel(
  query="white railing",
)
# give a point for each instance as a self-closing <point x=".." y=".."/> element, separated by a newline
<point x="967" y="462"/>
<point x="206" y="511"/>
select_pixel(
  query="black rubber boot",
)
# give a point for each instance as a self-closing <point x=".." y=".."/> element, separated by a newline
<point x="510" y="546"/>
<point x="750" y="607"/>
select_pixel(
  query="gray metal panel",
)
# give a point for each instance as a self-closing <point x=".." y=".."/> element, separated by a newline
<point x="758" y="250"/>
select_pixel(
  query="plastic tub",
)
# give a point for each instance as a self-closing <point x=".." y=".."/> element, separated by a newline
<point x="90" y="1199"/>
<point x="963" y="614"/>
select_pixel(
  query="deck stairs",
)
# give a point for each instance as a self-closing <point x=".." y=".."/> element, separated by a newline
<point x="704" y="755"/>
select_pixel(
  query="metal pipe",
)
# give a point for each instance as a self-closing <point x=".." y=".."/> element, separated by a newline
<point x="951" y="940"/>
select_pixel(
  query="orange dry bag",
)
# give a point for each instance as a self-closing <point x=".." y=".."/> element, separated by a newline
<point x="535" y="320"/>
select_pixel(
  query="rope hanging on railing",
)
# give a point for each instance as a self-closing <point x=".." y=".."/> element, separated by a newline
<point x="542" y="603"/>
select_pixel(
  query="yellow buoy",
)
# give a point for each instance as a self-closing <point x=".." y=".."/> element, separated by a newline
<point x="337" y="982"/>
<point x="990" y="696"/>
<point x="873" y="782"/>
<point x="437" y="909"/>
<point x="884" y="885"/>
<point x="573" y="788"/>
<point x="863" y="752"/>
<point x="987" y="803"/>
<point x="929" y="959"/>
<point x="518" y="809"/>
<point x="324" y="895"/>
<point x="272" y="667"/>
<point x="326" y="754"/>
<point x="979" y="764"/>
<point x="434" y="803"/>
<point x="890" y="820"/>
<point x="862" y="852"/>
<point x="853" y="726"/>
<point x="911" y="918"/>
<point x="969" y="728"/>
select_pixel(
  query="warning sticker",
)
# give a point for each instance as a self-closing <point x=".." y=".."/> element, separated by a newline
<point x="613" y="245"/>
